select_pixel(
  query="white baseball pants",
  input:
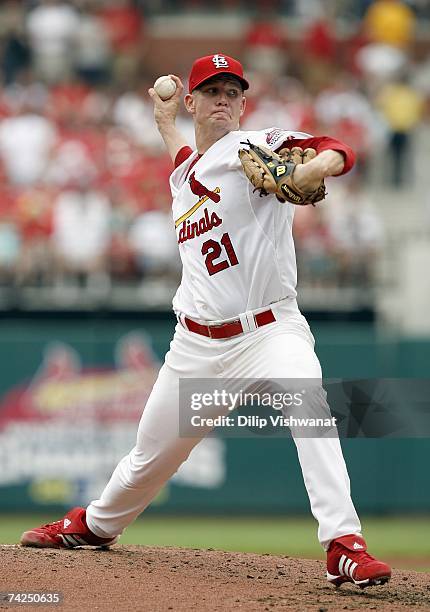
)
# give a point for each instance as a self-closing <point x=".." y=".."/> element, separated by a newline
<point x="283" y="349"/>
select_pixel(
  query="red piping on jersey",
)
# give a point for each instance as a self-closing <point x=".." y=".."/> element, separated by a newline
<point x="182" y="155"/>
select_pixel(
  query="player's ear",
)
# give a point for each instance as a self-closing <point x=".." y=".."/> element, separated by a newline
<point x="243" y="106"/>
<point x="189" y="103"/>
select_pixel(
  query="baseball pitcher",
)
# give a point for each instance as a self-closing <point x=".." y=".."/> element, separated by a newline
<point x="233" y="206"/>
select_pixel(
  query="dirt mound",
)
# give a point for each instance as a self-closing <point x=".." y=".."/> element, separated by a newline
<point x="158" y="579"/>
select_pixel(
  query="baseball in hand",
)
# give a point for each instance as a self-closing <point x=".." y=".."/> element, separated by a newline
<point x="165" y="87"/>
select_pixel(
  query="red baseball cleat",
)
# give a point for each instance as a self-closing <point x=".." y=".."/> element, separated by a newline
<point x="348" y="561"/>
<point x="69" y="532"/>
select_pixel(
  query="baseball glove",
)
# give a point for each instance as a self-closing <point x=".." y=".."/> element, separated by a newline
<point x="271" y="172"/>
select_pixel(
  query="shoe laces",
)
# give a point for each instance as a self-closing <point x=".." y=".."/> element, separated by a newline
<point x="52" y="528"/>
<point x="362" y="557"/>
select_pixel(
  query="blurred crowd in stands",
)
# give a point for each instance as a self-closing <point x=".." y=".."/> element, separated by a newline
<point x="84" y="194"/>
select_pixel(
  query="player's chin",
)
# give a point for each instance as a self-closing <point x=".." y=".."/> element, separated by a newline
<point x="223" y="120"/>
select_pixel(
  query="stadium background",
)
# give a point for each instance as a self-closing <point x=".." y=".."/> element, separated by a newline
<point x="88" y="261"/>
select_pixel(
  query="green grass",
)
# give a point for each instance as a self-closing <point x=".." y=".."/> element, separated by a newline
<point x="404" y="538"/>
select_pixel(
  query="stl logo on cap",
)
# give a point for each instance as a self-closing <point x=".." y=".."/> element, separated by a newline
<point x="220" y="61"/>
<point x="204" y="68"/>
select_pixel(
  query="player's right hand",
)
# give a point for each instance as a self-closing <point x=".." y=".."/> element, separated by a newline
<point x="165" y="111"/>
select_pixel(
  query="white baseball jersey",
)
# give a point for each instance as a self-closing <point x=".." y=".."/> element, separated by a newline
<point x="236" y="247"/>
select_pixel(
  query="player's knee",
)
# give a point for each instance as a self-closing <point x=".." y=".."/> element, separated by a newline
<point x="144" y="470"/>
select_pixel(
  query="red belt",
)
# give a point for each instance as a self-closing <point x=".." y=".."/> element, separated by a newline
<point x="227" y="330"/>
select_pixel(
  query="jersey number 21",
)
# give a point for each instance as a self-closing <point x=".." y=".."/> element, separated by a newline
<point x="213" y="251"/>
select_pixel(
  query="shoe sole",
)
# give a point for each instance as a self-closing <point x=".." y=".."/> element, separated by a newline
<point x="33" y="538"/>
<point x="337" y="581"/>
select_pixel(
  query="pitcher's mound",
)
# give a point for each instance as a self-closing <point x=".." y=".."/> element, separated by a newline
<point x="153" y="579"/>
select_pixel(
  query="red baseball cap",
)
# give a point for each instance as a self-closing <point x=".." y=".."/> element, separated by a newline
<point x="209" y="66"/>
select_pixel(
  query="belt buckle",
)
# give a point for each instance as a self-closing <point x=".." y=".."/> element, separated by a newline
<point x="211" y="327"/>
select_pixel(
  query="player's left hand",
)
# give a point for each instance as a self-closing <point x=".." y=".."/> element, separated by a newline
<point x="307" y="179"/>
<point x="314" y="168"/>
<point x="273" y="173"/>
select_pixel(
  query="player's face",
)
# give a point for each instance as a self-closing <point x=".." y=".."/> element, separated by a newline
<point x="217" y="103"/>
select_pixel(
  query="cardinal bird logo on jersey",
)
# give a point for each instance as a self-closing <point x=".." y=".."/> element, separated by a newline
<point x="200" y="190"/>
